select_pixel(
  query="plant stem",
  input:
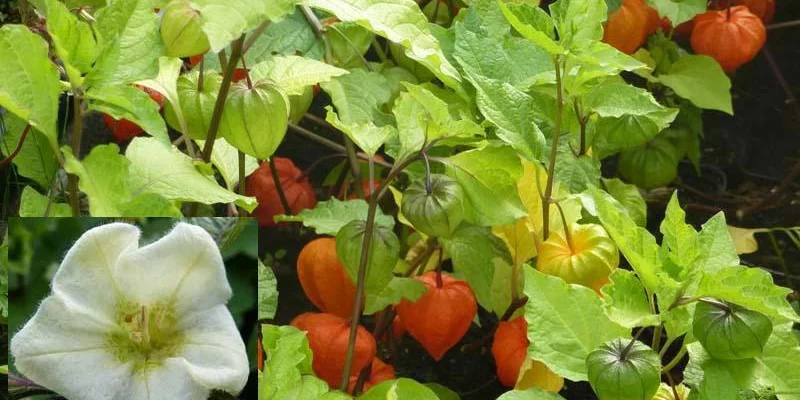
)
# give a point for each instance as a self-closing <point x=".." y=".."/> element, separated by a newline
<point x="16" y="151"/>
<point x="319" y="31"/>
<point x="354" y="166"/>
<point x="201" y="72"/>
<point x="630" y="344"/>
<point x="216" y="117"/>
<point x="379" y="50"/>
<point x="254" y="35"/>
<point x="657" y="337"/>
<point x="787" y="24"/>
<point x="77" y="133"/>
<point x="242" y="178"/>
<point x="582" y="121"/>
<point x="327" y="142"/>
<point x="362" y="266"/>
<point x="279" y="186"/>
<point x="548" y="190"/>
<point x="675" y="361"/>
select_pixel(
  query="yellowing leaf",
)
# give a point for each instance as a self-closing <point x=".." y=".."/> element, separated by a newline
<point x="744" y="239"/>
<point x="529" y="194"/>
<point x="533" y="373"/>
<point x="520" y="240"/>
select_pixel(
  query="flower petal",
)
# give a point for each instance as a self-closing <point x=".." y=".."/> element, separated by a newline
<point x="214" y="353"/>
<point x="85" y="275"/>
<point x="185" y="266"/>
<point x="169" y="381"/>
<point x="59" y="345"/>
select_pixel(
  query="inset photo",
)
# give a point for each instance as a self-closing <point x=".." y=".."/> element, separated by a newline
<point x="135" y="309"/>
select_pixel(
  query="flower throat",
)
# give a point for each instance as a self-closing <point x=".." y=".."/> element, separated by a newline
<point x="147" y="335"/>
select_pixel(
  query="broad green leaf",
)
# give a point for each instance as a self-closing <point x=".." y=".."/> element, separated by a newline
<point x="29" y="82"/>
<point x="396" y="389"/>
<point x="423" y="117"/>
<point x="576" y="173"/>
<point x="702" y="81"/>
<point x="565" y="323"/>
<point x="226" y="158"/>
<point x="529" y="394"/>
<point x="626" y="301"/>
<point x="781" y="361"/>
<point x="33" y="204"/>
<point x="291" y="36"/>
<point x="358" y="97"/>
<point x="73" y="41"/>
<point x="752" y="288"/>
<point x="288" y="360"/>
<point x="294" y="73"/>
<point x="678" y="11"/>
<point x="680" y="241"/>
<point x="224" y="21"/>
<point x="128" y="102"/>
<point x="400" y="21"/>
<point x="596" y="60"/>
<point x="327" y="217"/>
<point x="129" y="43"/>
<point x="166" y="83"/>
<point x="628" y="116"/>
<point x="276" y="10"/>
<point x="171" y="174"/>
<point x="492" y="19"/>
<point x="717" y="249"/>
<point x="267" y="292"/>
<point x="500" y="291"/>
<point x="534" y="24"/>
<point x="35" y="160"/>
<point x="473" y="249"/>
<point x="442" y="392"/>
<point x="637" y="244"/>
<point x="105" y="178"/>
<point x="488" y="177"/>
<point x="398" y="289"/>
<point x="628" y="195"/>
<point x="721" y="379"/>
<point x="579" y="21"/>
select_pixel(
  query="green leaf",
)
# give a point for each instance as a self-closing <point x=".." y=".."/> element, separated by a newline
<point x="577" y="173"/>
<point x="224" y="21"/>
<point x="35" y="160"/>
<point x="128" y="102"/>
<point x="129" y="43"/>
<point x="104" y="176"/>
<point x="529" y="394"/>
<point x="294" y="73"/>
<point x="781" y="361"/>
<point x="397" y="290"/>
<point x="168" y="172"/>
<point x="33" y="204"/>
<point x="29" y="82"/>
<point x="358" y="97"/>
<point x="678" y="11"/>
<point x="717" y="249"/>
<point x="169" y="70"/>
<point x="628" y="195"/>
<point x="267" y="292"/>
<point x="288" y="361"/>
<point x="598" y="59"/>
<point x="401" y="22"/>
<point x="628" y="116"/>
<point x="626" y="301"/>
<point x="700" y="80"/>
<point x="402" y="388"/>
<point x="751" y="288"/>
<point x="473" y="250"/>
<point x="291" y="36"/>
<point x="680" y="239"/>
<point x="226" y="158"/>
<point x="719" y="379"/>
<point x="534" y="24"/>
<point x="73" y="41"/>
<point x="489" y="179"/>
<point x="579" y="21"/>
<point x="327" y="217"/>
<point x="423" y="117"/>
<point x="637" y="244"/>
<point x="491" y="17"/>
<point x="565" y="323"/>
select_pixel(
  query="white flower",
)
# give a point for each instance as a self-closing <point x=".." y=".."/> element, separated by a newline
<point x="130" y="323"/>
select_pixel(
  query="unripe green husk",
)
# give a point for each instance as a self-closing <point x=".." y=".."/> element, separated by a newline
<point x="182" y="30"/>
<point x="255" y="119"/>
<point x="616" y="375"/>
<point x="197" y="107"/>
<point x="437" y="214"/>
<point x="730" y="332"/>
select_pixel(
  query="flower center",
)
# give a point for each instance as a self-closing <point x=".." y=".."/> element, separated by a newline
<point x="147" y="335"/>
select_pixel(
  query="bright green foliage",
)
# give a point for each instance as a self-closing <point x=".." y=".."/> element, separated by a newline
<point x="628" y="195"/>
<point x="226" y="159"/>
<point x="384" y="252"/>
<point x="398" y="289"/>
<point x="267" y="292"/>
<point x="402" y="388"/>
<point x="565" y="322"/>
<point x="330" y="216"/>
<point x="529" y="394"/>
<point x="293" y="73"/>
<point x="488" y="178"/>
<point x="287" y="370"/>
<point x="473" y="250"/>
<point x="29" y="82"/>
<point x="35" y="160"/>
<point x="678" y="11"/>
<point x="576" y="172"/>
<point x="625" y="301"/>
<point x="172" y="175"/>
<point x="408" y="26"/>
<point x="702" y="81"/>
<point x="579" y="21"/>
<point x="358" y="97"/>
<point x="72" y="39"/>
<point x="34" y="204"/>
<point x="128" y="102"/>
